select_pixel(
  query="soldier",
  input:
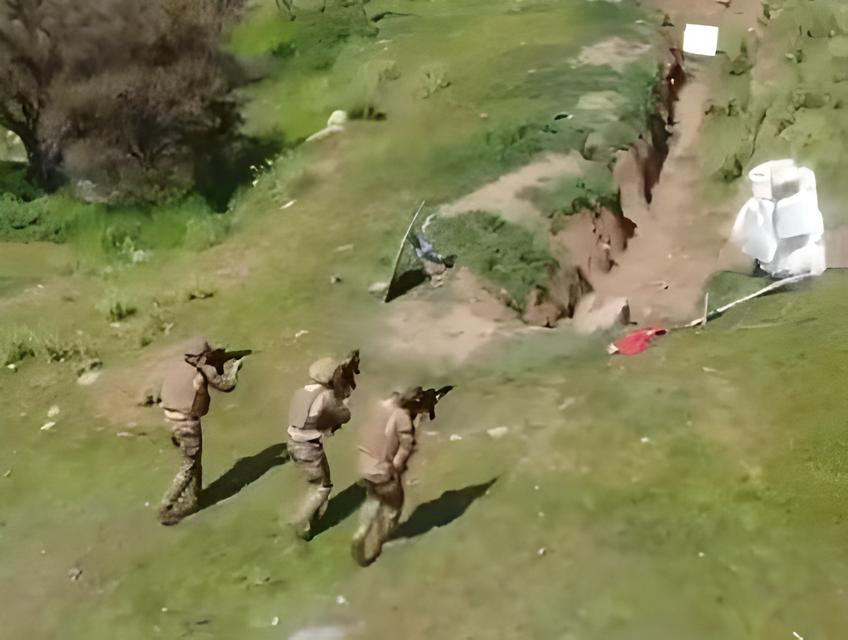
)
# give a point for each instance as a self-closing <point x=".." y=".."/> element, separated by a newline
<point x="185" y="399"/>
<point x="317" y="410"/>
<point x="386" y="444"/>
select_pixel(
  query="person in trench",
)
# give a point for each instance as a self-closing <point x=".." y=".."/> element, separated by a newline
<point x="317" y="410"/>
<point x="185" y="400"/>
<point x="386" y="443"/>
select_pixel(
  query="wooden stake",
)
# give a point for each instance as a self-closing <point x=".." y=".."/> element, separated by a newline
<point x="715" y="313"/>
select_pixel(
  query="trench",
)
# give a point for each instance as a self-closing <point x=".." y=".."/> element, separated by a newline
<point x="598" y="241"/>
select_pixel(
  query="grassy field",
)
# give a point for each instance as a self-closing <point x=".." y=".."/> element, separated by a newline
<point x="697" y="491"/>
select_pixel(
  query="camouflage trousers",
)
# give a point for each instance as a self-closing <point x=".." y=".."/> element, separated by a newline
<point x="183" y="495"/>
<point x="378" y="518"/>
<point x="310" y="458"/>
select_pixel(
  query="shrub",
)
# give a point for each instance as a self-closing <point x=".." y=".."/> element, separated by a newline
<point x="124" y="95"/>
<point x="117" y="306"/>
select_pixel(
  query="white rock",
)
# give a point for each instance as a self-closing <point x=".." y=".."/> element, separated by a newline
<point x="378" y="287"/>
<point x="455" y="438"/>
<point x="338" y="118"/>
<point x="12" y="367"/>
<point x="88" y="378"/>
<point x="341" y="600"/>
<point x="47" y="426"/>
<point x="567" y="403"/>
<point x="498" y="432"/>
<point x="319" y="633"/>
<point x="275" y="621"/>
<point x="53" y="411"/>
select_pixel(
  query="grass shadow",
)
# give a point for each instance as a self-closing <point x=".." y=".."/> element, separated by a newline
<point x="341" y="506"/>
<point x="441" y="511"/>
<point x="244" y="472"/>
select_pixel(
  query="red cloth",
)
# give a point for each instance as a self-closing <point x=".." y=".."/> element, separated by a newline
<point x="636" y="342"/>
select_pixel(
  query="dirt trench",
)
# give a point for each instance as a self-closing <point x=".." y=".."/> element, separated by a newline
<point x="663" y="245"/>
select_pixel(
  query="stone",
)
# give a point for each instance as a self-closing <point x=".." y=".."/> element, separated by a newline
<point x="498" y="432"/>
<point x="88" y="378"/>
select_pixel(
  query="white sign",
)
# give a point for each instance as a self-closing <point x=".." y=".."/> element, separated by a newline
<point x="700" y="40"/>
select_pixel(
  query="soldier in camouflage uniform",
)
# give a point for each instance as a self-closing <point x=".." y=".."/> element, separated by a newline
<point x="387" y="441"/>
<point x="317" y="410"/>
<point x="185" y="400"/>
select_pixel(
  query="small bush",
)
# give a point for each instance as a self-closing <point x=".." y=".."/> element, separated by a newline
<point x="157" y="324"/>
<point x="117" y="306"/>
<point x="18" y="344"/>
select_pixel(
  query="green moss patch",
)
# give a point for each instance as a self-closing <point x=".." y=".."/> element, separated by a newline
<point x="505" y="254"/>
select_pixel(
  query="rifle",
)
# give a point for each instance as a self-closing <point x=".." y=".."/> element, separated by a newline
<point x="429" y="398"/>
<point x="217" y="358"/>
<point x="344" y="378"/>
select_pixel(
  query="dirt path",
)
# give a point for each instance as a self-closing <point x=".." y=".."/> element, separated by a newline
<point x="678" y="238"/>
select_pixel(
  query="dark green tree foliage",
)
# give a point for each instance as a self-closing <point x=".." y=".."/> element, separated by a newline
<point x="122" y="94"/>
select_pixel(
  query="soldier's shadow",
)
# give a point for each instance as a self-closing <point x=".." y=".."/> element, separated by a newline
<point x="341" y="506"/>
<point x="244" y="472"/>
<point x="441" y="511"/>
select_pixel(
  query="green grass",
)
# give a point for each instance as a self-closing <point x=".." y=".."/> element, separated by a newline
<point x="506" y="255"/>
<point x="797" y="111"/>
<point x="594" y="189"/>
<point x="18" y="344"/>
<point x="696" y="491"/>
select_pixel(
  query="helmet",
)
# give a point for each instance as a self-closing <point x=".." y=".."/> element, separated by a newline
<point x="322" y="371"/>
<point x="410" y="397"/>
<point x="196" y="347"/>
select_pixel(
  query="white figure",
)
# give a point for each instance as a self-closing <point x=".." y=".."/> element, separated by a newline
<point x="781" y="227"/>
<point x="336" y="124"/>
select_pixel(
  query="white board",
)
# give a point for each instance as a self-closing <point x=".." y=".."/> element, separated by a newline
<point x="701" y="40"/>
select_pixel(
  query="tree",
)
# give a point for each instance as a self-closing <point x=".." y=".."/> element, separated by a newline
<point x="121" y="93"/>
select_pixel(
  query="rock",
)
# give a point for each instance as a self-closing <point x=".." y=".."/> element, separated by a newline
<point x="300" y="334"/>
<point x="338" y="118"/>
<point x="334" y="279"/>
<point x="275" y="621"/>
<point x="378" y="287"/>
<point x="542" y="551"/>
<point x="88" y="378"/>
<point x="8" y="473"/>
<point x="343" y="248"/>
<point x="319" y="633"/>
<point x="455" y="438"/>
<point x="567" y="403"/>
<point x="47" y="426"/>
<point x="341" y="600"/>
<point x="74" y="574"/>
<point x="12" y="367"/>
<point x="53" y="411"/>
<point x="498" y="432"/>
<point x="595" y="313"/>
